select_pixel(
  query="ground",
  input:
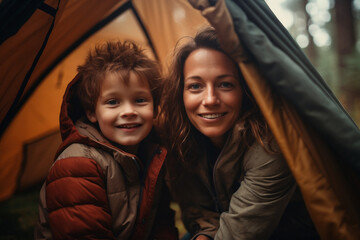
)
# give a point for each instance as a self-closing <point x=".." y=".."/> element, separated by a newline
<point x="19" y="215"/>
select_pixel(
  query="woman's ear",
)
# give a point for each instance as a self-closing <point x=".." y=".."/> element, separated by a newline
<point x="91" y="116"/>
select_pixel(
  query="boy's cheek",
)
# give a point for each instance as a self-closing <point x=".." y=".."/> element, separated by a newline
<point x="148" y="115"/>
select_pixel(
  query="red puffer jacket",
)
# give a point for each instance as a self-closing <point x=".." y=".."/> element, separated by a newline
<point x="97" y="191"/>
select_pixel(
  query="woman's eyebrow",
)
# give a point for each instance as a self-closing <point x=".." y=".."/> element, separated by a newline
<point x="226" y="75"/>
<point x="195" y="77"/>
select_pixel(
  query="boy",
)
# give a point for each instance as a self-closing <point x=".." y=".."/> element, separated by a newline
<point x="107" y="180"/>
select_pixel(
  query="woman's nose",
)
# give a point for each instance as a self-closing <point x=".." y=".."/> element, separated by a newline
<point x="210" y="98"/>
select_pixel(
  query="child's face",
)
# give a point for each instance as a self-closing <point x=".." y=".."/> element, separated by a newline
<point x="124" y="112"/>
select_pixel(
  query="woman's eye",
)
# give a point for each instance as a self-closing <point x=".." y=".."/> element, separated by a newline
<point x="194" y="86"/>
<point x="226" y="85"/>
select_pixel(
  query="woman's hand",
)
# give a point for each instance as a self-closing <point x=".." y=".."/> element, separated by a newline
<point x="202" y="237"/>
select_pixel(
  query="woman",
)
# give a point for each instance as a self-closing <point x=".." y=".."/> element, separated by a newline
<point x="226" y="173"/>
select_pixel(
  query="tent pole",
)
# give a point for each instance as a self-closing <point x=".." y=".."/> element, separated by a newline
<point x="145" y="31"/>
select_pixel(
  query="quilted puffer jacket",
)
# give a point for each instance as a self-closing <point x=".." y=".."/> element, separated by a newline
<point x="97" y="191"/>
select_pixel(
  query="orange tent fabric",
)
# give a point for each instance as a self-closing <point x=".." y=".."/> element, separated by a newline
<point x="77" y="26"/>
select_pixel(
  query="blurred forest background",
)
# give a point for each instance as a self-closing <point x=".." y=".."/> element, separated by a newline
<point x="328" y="33"/>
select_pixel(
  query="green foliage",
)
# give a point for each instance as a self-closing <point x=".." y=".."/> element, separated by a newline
<point x="178" y="222"/>
<point x="352" y="72"/>
<point x="326" y="65"/>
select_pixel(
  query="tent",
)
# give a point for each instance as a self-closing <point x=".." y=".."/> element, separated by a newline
<point x="42" y="42"/>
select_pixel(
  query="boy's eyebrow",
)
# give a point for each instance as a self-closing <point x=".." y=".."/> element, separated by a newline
<point x="143" y="91"/>
<point x="137" y="91"/>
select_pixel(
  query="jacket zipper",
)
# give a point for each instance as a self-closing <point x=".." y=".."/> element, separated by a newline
<point x="218" y="207"/>
<point x="212" y="190"/>
<point x="134" y="158"/>
<point x="142" y="180"/>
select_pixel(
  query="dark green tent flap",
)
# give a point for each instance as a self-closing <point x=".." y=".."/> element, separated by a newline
<point x="318" y="139"/>
<point x="288" y="71"/>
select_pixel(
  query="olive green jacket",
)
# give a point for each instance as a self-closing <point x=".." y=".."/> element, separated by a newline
<point x="245" y="195"/>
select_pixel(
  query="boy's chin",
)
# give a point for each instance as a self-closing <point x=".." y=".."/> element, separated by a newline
<point x="130" y="146"/>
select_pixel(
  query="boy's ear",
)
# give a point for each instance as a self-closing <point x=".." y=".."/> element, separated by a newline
<point x="91" y="116"/>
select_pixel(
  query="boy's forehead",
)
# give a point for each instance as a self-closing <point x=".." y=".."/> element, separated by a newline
<point x="126" y="77"/>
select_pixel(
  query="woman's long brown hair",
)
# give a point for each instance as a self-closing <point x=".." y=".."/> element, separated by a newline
<point x="182" y="139"/>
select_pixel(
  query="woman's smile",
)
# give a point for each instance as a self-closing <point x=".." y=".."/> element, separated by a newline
<point x="212" y="115"/>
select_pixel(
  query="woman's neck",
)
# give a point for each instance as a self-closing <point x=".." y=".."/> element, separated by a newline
<point x="219" y="142"/>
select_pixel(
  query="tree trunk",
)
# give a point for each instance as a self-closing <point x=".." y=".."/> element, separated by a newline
<point x="345" y="29"/>
<point x="345" y="45"/>
<point x="310" y="50"/>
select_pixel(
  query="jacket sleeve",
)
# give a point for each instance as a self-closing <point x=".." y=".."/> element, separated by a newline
<point x="201" y="221"/>
<point x="257" y="206"/>
<point x="164" y="228"/>
<point x="77" y="201"/>
<point x="42" y="228"/>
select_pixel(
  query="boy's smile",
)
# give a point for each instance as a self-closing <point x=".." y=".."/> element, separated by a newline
<point x="123" y="111"/>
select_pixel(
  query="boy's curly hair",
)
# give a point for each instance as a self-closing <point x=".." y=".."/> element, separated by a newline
<point x="116" y="57"/>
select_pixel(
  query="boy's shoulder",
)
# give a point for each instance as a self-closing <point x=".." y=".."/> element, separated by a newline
<point x="76" y="150"/>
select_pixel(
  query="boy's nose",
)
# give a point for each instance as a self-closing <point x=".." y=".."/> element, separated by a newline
<point x="128" y="110"/>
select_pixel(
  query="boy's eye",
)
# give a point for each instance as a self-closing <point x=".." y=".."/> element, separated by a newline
<point x="112" y="102"/>
<point x="140" y="100"/>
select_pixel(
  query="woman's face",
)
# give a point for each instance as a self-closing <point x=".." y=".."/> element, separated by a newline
<point x="212" y="93"/>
